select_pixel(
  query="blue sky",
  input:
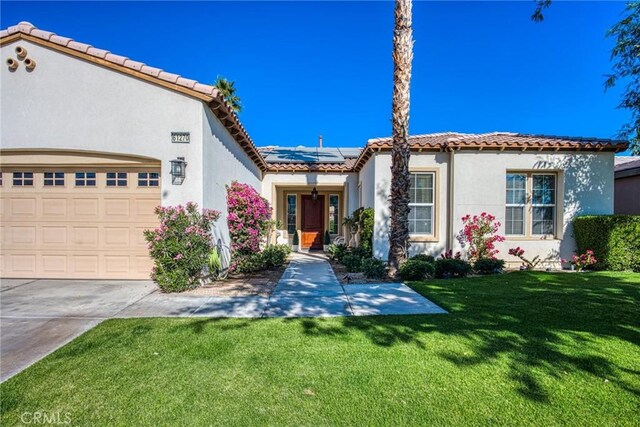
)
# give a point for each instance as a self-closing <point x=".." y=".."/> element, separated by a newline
<point x="303" y="69"/>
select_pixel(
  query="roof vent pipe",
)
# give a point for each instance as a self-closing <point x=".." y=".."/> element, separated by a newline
<point x="320" y="141"/>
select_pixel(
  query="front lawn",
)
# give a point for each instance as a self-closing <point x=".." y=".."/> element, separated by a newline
<point x="517" y="349"/>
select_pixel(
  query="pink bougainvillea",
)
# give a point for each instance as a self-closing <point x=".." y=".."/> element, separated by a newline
<point x="248" y="219"/>
<point x="180" y="245"/>
<point x="480" y="234"/>
<point x="583" y="261"/>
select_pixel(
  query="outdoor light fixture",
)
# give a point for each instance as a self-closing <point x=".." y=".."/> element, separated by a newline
<point x="177" y="168"/>
<point x="314" y="194"/>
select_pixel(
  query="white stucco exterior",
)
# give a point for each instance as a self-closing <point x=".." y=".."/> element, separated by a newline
<point x="584" y="186"/>
<point x="68" y="103"/>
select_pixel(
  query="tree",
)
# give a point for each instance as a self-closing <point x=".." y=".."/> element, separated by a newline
<point x="228" y="91"/>
<point x="400" y="153"/>
<point x="626" y="65"/>
<point x="625" y="56"/>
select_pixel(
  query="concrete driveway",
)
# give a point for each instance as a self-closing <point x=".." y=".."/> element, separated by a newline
<point x="39" y="316"/>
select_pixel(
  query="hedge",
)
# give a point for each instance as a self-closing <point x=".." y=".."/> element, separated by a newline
<point x="615" y="240"/>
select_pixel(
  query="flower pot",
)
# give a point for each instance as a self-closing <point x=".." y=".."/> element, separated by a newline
<point x="295" y="248"/>
<point x="325" y="248"/>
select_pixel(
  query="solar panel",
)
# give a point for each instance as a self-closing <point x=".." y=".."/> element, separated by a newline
<point x="308" y="154"/>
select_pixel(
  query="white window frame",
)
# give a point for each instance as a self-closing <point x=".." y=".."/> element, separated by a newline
<point x="529" y="205"/>
<point x="518" y="205"/>
<point x="412" y="175"/>
<point x="84" y="178"/>
<point x="337" y="214"/>
<point x="538" y="205"/>
<point x="145" y="182"/>
<point x="117" y="179"/>
<point x="53" y="179"/>
<point x="19" y="181"/>
<point x="286" y="213"/>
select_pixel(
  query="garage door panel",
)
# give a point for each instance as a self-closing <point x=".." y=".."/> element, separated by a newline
<point x="54" y="264"/>
<point x="55" y="235"/>
<point x="76" y="232"/>
<point x="22" y="208"/>
<point x="117" y="207"/>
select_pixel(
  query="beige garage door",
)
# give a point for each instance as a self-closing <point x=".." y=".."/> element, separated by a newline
<point x="76" y="216"/>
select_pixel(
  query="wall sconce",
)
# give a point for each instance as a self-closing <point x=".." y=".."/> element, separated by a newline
<point x="314" y="194"/>
<point x="178" y="167"/>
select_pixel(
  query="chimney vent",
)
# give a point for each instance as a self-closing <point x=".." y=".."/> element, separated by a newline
<point x="320" y="141"/>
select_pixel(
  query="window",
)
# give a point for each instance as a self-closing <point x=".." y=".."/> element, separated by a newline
<point x="533" y="214"/>
<point x="543" y="204"/>
<point x="116" y="179"/>
<point x="291" y="213"/>
<point x="53" y="179"/>
<point x="23" y="179"/>
<point x="516" y="201"/>
<point x="333" y="213"/>
<point x="148" y="179"/>
<point x="85" y="179"/>
<point x="421" y="191"/>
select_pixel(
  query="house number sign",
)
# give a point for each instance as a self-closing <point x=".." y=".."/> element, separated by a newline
<point x="180" y="137"/>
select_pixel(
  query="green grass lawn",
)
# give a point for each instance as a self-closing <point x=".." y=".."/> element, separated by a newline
<point x="517" y="349"/>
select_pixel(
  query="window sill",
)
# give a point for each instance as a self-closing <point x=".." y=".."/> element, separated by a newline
<point x="531" y="238"/>
<point x="423" y="239"/>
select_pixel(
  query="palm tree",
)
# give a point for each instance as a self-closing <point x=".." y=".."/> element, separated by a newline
<point x="228" y="91"/>
<point x="400" y="179"/>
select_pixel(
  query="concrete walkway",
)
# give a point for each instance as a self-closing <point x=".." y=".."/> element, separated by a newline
<point x="39" y="316"/>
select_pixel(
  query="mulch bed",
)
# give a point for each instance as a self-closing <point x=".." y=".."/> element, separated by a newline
<point x="260" y="283"/>
<point x="356" y="278"/>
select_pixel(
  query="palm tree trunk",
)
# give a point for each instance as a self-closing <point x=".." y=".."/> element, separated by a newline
<point x="399" y="209"/>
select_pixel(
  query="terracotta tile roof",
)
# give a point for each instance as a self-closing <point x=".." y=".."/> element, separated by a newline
<point x="206" y="93"/>
<point x="447" y="141"/>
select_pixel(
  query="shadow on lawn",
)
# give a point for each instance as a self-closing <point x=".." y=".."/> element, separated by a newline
<point x="542" y="323"/>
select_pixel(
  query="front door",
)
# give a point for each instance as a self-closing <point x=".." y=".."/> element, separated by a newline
<point x="312" y="222"/>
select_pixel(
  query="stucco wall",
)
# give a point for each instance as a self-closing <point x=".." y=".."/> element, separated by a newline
<point x="72" y="104"/>
<point x="367" y="179"/>
<point x="224" y="161"/>
<point x="437" y="163"/>
<point x="313" y="179"/>
<point x="585" y="183"/>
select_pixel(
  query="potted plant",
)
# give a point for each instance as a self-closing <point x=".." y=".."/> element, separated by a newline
<point x="296" y="242"/>
<point x="327" y="240"/>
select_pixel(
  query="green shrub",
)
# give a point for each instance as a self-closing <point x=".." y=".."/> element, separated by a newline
<point x="614" y="239"/>
<point x="451" y="267"/>
<point x="424" y="257"/>
<point x="275" y="256"/>
<point x="373" y="268"/>
<point x="296" y="239"/>
<point x="180" y="246"/>
<point x="364" y="216"/>
<point x="336" y="252"/>
<point x="352" y="262"/>
<point x="249" y="263"/>
<point x="416" y="269"/>
<point x="489" y="266"/>
<point x="327" y="237"/>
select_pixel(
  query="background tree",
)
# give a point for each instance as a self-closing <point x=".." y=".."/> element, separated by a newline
<point x="625" y="56"/>
<point x="228" y="91"/>
<point x="400" y="153"/>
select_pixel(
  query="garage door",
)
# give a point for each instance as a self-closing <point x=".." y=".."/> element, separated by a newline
<point x="86" y="220"/>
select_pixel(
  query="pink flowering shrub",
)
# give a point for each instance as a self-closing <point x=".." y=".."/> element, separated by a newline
<point x="583" y="261"/>
<point x="248" y="218"/>
<point x="527" y="264"/>
<point x="480" y="234"/>
<point x="180" y="246"/>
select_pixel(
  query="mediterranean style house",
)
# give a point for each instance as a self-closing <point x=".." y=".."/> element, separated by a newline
<point x="91" y="142"/>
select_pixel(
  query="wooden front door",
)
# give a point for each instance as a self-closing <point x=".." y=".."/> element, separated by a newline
<point x="312" y="222"/>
